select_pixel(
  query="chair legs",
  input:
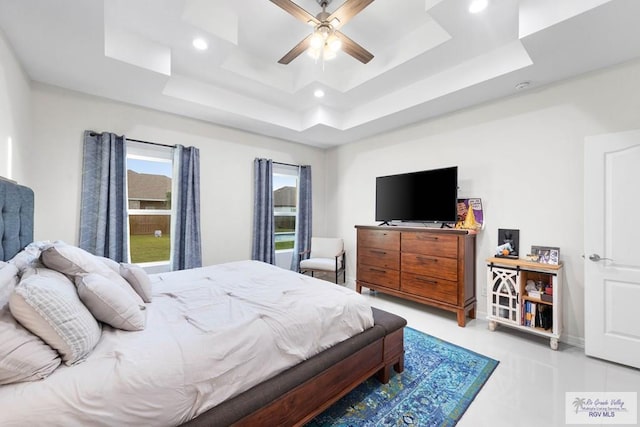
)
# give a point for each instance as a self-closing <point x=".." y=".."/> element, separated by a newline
<point x="336" y="274"/>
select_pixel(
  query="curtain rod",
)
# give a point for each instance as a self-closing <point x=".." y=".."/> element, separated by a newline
<point x="141" y="141"/>
<point x="286" y="164"/>
<point x="151" y="143"/>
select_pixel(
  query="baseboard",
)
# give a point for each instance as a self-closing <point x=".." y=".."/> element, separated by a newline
<point x="573" y="340"/>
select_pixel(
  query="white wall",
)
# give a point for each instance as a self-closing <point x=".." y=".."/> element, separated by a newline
<point x="60" y="117"/>
<point x="15" y="112"/>
<point x="522" y="155"/>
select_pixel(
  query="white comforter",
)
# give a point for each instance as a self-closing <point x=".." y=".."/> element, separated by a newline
<point x="211" y="333"/>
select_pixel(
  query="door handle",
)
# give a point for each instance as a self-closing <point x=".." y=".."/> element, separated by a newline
<point x="596" y="258"/>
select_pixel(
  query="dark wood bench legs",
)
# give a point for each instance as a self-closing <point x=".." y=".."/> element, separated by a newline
<point x="393" y="355"/>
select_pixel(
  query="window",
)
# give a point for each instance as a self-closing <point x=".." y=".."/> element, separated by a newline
<point x="149" y="181"/>
<point x="285" y="202"/>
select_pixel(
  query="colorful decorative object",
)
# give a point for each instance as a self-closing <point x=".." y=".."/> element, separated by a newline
<point x="470" y="214"/>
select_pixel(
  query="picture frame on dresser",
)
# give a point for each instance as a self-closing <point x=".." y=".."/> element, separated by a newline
<point x="546" y="254"/>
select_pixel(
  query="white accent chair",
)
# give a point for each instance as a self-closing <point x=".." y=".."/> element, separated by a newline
<point x="326" y="255"/>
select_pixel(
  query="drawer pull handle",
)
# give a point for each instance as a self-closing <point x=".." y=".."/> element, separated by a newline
<point x="422" y="279"/>
<point x="378" y="271"/>
<point x="379" y="252"/>
<point x="421" y="237"/>
<point x="421" y="259"/>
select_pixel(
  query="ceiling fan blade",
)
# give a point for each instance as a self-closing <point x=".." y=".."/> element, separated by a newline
<point x="354" y="49"/>
<point x="296" y="51"/>
<point x="348" y="10"/>
<point x="296" y="11"/>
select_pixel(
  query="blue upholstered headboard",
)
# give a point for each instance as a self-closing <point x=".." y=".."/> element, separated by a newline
<point x="16" y="218"/>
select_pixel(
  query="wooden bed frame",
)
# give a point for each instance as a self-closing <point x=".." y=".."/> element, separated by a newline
<point x="293" y="397"/>
<point x="297" y="395"/>
<point x="313" y="396"/>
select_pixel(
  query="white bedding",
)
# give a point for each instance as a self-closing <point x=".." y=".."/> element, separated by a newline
<point x="211" y="333"/>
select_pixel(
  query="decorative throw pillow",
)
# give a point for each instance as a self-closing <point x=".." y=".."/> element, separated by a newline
<point x="138" y="279"/>
<point x="74" y="261"/>
<point x="113" y="303"/>
<point x="109" y="263"/>
<point x="109" y="298"/>
<point x="47" y="304"/>
<point x="23" y="356"/>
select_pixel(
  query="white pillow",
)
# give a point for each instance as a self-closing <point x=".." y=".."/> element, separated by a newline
<point x="23" y="356"/>
<point x="78" y="263"/>
<point x="109" y="263"/>
<point x="74" y="261"/>
<point x="133" y="274"/>
<point x="138" y="279"/>
<point x="111" y="302"/>
<point x="46" y="303"/>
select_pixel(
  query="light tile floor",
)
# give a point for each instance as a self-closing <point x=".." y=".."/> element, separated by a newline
<point x="528" y="386"/>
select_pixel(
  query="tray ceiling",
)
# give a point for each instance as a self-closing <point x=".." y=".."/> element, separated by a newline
<point x="431" y="57"/>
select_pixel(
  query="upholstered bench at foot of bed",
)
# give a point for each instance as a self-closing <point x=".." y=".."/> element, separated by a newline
<point x="300" y="393"/>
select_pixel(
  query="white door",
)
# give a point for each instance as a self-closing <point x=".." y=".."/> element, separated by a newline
<point x="612" y="247"/>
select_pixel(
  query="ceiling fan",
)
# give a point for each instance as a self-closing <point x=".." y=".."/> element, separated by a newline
<point x="326" y="40"/>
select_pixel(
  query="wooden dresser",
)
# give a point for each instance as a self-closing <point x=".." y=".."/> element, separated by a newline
<point x="428" y="265"/>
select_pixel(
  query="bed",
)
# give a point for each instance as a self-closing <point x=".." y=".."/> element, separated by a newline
<point x="230" y="344"/>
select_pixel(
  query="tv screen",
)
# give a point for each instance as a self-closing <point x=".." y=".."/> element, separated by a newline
<point x="425" y="196"/>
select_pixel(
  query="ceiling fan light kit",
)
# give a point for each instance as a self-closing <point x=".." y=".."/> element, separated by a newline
<point x="326" y="39"/>
<point x="324" y="43"/>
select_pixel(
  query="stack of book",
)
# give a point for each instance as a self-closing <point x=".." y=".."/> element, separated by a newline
<point x="535" y="315"/>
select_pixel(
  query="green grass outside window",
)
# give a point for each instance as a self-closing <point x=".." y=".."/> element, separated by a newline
<point x="148" y="248"/>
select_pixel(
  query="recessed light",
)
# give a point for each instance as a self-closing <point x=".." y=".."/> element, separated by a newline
<point x="478" y="6"/>
<point x="318" y="93"/>
<point x="200" y="44"/>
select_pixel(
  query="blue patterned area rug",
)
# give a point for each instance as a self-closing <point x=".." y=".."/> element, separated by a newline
<point x="439" y="382"/>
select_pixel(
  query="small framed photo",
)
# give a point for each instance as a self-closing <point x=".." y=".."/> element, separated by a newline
<point x="546" y="254"/>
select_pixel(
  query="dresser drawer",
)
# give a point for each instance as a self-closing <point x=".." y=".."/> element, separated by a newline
<point x="379" y="239"/>
<point x="430" y="244"/>
<point x="433" y="266"/>
<point x="379" y="258"/>
<point x="430" y="287"/>
<point x="386" y="277"/>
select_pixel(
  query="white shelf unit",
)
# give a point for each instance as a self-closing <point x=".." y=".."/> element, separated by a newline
<point x="507" y="297"/>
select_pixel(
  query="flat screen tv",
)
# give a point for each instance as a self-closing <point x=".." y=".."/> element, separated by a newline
<point x="425" y="196"/>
